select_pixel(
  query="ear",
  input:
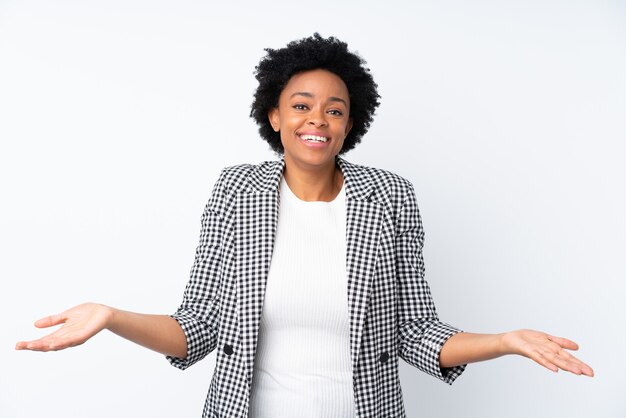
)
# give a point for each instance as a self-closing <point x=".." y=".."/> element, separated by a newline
<point x="274" y="118"/>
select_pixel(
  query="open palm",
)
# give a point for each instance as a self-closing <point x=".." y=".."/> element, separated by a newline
<point x="79" y="324"/>
<point x="547" y="350"/>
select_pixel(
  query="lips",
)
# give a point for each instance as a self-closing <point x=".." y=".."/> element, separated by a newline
<point x="314" y="138"/>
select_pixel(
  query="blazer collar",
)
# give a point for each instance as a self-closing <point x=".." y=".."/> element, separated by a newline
<point x="257" y="214"/>
<point x="266" y="178"/>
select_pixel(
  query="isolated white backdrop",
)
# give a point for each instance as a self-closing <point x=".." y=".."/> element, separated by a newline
<point x="508" y="116"/>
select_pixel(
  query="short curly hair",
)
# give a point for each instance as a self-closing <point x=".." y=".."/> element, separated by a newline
<point x="331" y="54"/>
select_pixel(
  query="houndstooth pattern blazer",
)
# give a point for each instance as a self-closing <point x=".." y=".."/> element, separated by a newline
<point x="391" y="310"/>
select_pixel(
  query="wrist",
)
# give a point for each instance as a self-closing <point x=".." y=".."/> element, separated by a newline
<point x="506" y="343"/>
<point x="111" y="315"/>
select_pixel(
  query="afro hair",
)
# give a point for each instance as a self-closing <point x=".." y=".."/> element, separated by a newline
<point x="331" y="54"/>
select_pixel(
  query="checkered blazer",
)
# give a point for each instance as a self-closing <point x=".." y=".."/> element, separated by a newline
<point x="391" y="310"/>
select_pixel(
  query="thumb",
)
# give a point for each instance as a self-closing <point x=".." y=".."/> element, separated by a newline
<point x="564" y="342"/>
<point x="50" y="321"/>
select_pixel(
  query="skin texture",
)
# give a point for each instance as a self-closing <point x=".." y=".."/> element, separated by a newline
<point x="160" y="333"/>
<point x="277" y="67"/>
<point x="546" y="350"/>
<point x="315" y="102"/>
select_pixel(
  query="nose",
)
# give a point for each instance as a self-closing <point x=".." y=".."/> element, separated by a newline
<point x="317" y="118"/>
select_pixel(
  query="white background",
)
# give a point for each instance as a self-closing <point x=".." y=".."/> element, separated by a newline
<point x="508" y="116"/>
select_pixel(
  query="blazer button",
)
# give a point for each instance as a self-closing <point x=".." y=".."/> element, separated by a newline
<point x="384" y="357"/>
<point x="228" y="349"/>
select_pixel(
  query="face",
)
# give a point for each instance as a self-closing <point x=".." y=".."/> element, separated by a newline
<point x="313" y="119"/>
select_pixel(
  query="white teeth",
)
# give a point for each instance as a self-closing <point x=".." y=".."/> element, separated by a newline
<point x="314" y="138"/>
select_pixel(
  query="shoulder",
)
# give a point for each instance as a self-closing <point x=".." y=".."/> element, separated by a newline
<point x="242" y="176"/>
<point x="386" y="184"/>
<point x="384" y="176"/>
<point x="237" y="178"/>
<point x="394" y="192"/>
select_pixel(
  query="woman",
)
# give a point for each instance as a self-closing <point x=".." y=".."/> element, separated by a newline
<point x="308" y="277"/>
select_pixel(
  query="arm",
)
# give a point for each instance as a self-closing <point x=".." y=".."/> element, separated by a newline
<point x="421" y="334"/>
<point x="547" y="350"/>
<point x="425" y="338"/>
<point x="185" y="337"/>
<point x="160" y="333"/>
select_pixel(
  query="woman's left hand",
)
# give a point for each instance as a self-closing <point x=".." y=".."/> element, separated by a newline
<point x="545" y="349"/>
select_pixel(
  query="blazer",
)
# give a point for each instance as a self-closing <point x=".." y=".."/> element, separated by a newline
<point x="391" y="311"/>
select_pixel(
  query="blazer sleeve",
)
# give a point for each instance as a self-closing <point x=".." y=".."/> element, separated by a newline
<point x="198" y="314"/>
<point x="421" y="333"/>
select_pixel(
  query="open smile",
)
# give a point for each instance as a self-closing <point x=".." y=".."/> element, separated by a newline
<point x="314" y="139"/>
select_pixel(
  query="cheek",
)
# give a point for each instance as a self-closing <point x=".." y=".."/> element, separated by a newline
<point x="288" y="124"/>
<point x="344" y="129"/>
<point x="287" y="134"/>
<point x="339" y="142"/>
<point x="294" y="120"/>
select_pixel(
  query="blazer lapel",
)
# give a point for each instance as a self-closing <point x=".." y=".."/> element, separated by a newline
<point x="256" y="219"/>
<point x="364" y="219"/>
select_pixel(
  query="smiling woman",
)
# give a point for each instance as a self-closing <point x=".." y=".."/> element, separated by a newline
<point x="278" y="67"/>
<point x="313" y="118"/>
<point x="309" y="277"/>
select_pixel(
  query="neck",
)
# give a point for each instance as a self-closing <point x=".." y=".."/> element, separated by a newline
<point x="313" y="184"/>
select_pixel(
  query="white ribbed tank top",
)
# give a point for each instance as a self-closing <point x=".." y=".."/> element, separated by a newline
<point x="302" y="364"/>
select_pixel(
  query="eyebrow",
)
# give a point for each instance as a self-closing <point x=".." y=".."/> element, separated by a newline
<point x="309" y="95"/>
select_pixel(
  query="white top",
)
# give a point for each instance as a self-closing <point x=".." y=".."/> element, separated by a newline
<point x="302" y="363"/>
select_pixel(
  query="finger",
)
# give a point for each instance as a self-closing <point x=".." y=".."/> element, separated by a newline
<point x="564" y="342"/>
<point x="59" y="339"/>
<point x="43" y="344"/>
<point x="50" y="321"/>
<point x="35" y="345"/>
<point x="587" y="370"/>
<point x="575" y="365"/>
<point x="539" y="358"/>
<point x="568" y="365"/>
<point x="566" y="361"/>
<point x="21" y="345"/>
<point x="552" y="361"/>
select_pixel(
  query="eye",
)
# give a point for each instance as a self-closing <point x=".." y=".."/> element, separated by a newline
<point x="335" y="112"/>
<point x="300" y="106"/>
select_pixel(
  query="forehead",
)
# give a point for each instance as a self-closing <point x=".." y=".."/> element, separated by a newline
<point x="317" y="82"/>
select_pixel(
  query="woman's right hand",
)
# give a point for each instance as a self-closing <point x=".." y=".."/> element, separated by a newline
<point x="80" y="323"/>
